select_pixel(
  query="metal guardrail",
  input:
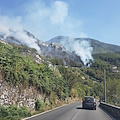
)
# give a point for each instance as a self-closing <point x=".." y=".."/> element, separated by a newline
<point x="114" y="111"/>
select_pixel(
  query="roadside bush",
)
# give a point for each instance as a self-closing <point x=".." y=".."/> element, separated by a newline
<point x="13" y="112"/>
<point x="38" y="104"/>
<point x="52" y="98"/>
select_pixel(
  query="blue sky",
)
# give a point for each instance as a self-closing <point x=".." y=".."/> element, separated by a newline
<point x="97" y="19"/>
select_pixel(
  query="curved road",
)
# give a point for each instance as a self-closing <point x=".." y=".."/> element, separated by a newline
<point x="73" y="111"/>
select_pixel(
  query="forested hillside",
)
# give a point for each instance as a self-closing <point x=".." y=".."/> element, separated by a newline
<point x="111" y="63"/>
<point x="22" y="69"/>
<point x="18" y="67"/>
<point x="57" y="82"/>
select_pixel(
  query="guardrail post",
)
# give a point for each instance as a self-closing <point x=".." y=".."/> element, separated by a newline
<point x="104" y="85"/>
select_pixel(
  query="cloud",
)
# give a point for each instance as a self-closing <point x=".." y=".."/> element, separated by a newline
<point x="59" y="12"/>
<point x="7" y="23"/>
<point x="46" y="20"/>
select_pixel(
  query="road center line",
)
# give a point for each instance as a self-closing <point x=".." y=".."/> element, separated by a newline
<point x="75" y="115"/>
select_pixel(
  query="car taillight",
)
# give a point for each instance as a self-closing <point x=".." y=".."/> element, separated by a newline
<point x="94" y="101"/>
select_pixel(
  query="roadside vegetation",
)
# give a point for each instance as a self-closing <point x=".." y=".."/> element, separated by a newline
<point x="13" y="112"/>
<point x="57" y="84"/>
<point x="22" y="69"/>
<point x="111" y="63"/>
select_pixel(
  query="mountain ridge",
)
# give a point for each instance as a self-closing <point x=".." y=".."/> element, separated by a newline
<point x="98" y="47"/>
<point x="68" y="50"/>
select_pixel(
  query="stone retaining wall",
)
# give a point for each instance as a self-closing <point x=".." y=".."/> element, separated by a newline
<point x="18" y="95"/>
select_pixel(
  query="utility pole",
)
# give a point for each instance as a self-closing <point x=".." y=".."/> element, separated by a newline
<point x="104" y="85"/>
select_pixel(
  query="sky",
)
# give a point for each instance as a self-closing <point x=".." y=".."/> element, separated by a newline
<point x="96" y="19"/>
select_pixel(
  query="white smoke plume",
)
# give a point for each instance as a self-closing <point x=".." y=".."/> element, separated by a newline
<point x="27" y="40"/>
<point x="10" y="29"/>
<point x="81" y="47"/>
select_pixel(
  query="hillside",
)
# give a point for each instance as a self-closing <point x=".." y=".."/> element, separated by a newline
<point x="38" y="86"/>
<point x="98" y="47"/>
<point x="69" y="51"/>
<point x="56" y="74"/>
<point x="18" y="68"/>
<point x="106" y="57"/>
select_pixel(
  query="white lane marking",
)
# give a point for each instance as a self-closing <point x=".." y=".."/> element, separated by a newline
<point x="75" y="115"/>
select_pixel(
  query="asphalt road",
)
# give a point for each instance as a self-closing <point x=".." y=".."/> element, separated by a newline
<point x="73" y="111"/>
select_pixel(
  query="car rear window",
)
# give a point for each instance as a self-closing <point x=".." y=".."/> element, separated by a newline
<point x="89" y="99"/>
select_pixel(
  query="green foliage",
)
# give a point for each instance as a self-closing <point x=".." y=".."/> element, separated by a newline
<point x="61" y="82"/>
<point x="106" y="61"/>
<point x="111" y="58"/>
<point x="78" y="87"/>
<point x="66" y="61"/>
<point x="13" y="113"/>
<point x="113" y="90"/>
<point x="38" y="104"/>
<point x="53" y="97"/>
<point x="19" y="69"/>
<point x="56" y="61"/>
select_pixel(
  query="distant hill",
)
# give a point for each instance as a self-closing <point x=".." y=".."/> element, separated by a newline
<point x="98" y="47"/>
<point x="58" y="71"/>
<point x="55" y="49"/>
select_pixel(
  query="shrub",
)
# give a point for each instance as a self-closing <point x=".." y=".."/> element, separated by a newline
<point x="38" y="104"/>
<point x="13" y="113"/>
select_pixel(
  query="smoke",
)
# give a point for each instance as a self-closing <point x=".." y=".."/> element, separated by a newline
<point x="59" y="12"/>
<point x="81" y="47"/>
<point x="10" y="29"/>
<point x="45" y="20"/>
<point x="52" y="19"/>
<point x="26" y="40"/>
